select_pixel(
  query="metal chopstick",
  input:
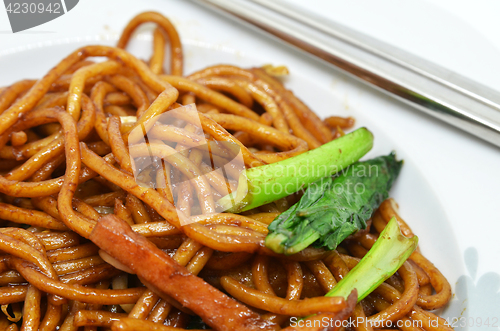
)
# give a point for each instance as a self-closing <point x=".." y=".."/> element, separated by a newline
<point x="426" y="86"/>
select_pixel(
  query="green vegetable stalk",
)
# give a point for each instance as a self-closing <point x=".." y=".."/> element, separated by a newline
<point x="386" y="256"/>
<point x="331" y="209"/>
<point x="260" y="185"/>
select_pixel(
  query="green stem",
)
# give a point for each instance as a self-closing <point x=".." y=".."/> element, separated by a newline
<point x="274" y="241"/>
<point x="386" y="256"/>
<point x="261" y="185"/>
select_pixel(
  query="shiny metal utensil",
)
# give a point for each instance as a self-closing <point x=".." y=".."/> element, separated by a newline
<point x="426" y="86"/>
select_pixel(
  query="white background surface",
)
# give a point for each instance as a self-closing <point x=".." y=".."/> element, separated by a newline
<point x="461" y="35"/>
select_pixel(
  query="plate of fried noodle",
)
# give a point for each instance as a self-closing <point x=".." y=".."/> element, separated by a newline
<point x="85" y="246"/>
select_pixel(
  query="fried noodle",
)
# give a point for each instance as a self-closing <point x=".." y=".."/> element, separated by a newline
<point x="66" y="171"/>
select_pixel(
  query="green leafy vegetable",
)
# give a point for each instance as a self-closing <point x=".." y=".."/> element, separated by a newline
<point x="334" y="207"/>
<point x="260" y="185"/>
<point x="386" y="256"/>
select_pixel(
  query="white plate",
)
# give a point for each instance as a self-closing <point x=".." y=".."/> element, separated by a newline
<point x="209" y="41"/>
<point x="411" y="190"/>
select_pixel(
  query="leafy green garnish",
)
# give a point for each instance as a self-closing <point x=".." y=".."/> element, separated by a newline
<point x="261" y="185"/>
<point x="386" y="256"/>
<point x="333" y="208"/>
